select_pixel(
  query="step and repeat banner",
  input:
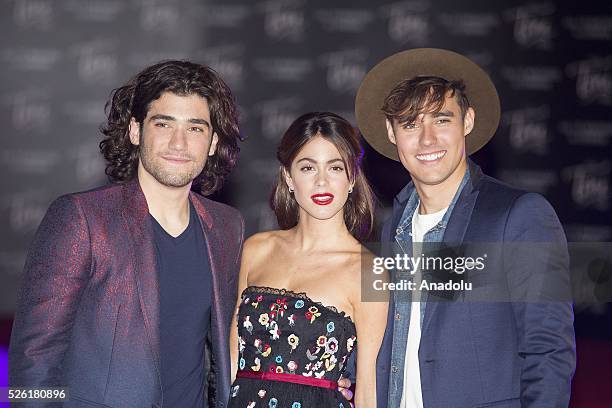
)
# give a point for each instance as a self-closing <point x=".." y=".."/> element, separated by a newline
<point x="551" y="62"/>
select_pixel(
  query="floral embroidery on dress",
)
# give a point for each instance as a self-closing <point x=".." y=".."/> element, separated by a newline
<point x="293" y="341"/>
<point x="247" y="324"/>
<point x="312" y="313"/>
<point x="288" y="333"/>
<point x="257" y="365"/>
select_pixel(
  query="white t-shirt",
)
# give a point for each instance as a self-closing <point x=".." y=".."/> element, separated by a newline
<point x="412" y="397"/>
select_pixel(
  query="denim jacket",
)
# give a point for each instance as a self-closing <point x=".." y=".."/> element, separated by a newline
<point x="402" y="299"/>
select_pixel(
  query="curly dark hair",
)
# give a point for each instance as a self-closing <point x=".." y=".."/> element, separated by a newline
<point x="134" y="99"/>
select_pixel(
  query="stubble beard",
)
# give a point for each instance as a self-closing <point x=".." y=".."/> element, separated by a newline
<point x="177" y="178"/>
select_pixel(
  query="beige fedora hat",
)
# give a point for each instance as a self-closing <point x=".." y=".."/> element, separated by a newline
<point x="449" y="65"/>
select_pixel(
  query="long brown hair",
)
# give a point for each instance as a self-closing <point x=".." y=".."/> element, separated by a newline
<point x="359" y="207"/>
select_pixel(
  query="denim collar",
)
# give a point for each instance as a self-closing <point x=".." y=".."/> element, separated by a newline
<point x="405" y="223"/>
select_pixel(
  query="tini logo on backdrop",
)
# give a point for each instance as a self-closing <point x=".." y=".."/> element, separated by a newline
<point x="284" y="19"/>
<point x="593" y="80"/>
<point x="228" y="61"/>
<point x="528" y="129"/>
<point x="590" y="184"/>
<point x="34" y="14"/>
<point x="97" y="61"/>
<point x="277" y="114"/>
<point x="345" y="69"/>
<point x="160" y="18"/>
<point x="88" y="164"/>
<point x="408" y="22"/>
<point x="25" y="210"/>
<point x="533" y="25"/>
<point x="30" y="111"/>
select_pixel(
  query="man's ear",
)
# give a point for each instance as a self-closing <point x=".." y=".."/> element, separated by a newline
<point x="468" y="121"/>
<point x="390" y="132"/>
<point x="213" y="144"/>
<point x="287" y="177"/>
<point x="134" y="132"/>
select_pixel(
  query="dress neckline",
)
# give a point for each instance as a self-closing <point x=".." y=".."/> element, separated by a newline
<point x="298" y="295"/>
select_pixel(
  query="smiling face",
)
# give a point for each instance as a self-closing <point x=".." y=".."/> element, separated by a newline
<point x="432" y="147"/>
<point x="319" y="178"/>
<point x="175" y="139"/>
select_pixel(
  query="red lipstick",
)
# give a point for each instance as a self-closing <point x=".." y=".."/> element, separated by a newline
<point x="322" y="199"/>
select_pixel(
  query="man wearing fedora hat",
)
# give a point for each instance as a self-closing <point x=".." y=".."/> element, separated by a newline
<point x="430" y="109"/>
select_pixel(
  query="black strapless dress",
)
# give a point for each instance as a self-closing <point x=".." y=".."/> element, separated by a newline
<point x="292" y="351"/>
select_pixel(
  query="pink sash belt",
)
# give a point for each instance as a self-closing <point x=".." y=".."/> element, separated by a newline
<point x="291" y="378"/>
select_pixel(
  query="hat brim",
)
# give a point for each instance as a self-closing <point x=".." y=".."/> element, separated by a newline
<point x="449" y="65"/>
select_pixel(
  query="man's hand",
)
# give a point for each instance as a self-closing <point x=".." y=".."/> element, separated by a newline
<point x="344" y="386"/>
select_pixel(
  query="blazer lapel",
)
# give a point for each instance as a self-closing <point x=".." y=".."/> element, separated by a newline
<point x="457" y="225"/>
<point x="222" y="301"/>
<point x="136" y="215"/>
<point x="213" y="245"/>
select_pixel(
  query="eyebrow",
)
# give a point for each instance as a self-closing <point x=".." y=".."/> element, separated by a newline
<point x="308" y="159"/>
<point x="443" y="113"/>
<point x="159" y="116"/>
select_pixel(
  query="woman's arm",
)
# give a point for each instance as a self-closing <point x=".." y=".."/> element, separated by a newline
<point x="247" y="255"/>
<point x="370" y="321"/>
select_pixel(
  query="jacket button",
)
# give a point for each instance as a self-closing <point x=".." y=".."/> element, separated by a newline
<point x="398" y="316"/>
<point x="394" y="369"/>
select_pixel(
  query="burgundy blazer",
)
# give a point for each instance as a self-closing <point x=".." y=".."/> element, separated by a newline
<point x="88" y="312"/>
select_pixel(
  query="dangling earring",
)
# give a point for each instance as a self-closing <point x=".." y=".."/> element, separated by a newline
<point x="350" y="190"/>
<point x="290" y="190"/>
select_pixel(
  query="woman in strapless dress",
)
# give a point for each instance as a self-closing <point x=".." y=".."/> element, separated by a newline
<point x="300" y="316"/>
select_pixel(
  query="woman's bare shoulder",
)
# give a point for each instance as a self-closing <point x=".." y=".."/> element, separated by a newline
<point x="360" y="256"/>
<point x="262" y="243"/>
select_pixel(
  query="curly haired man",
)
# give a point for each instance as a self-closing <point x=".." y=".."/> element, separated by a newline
<point x="124" y="286"/>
